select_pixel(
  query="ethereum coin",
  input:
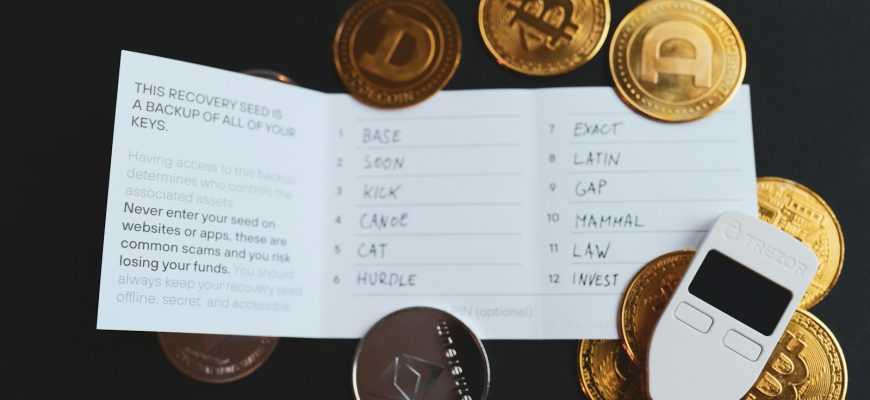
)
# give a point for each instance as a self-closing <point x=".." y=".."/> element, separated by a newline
<point x="420" y="353"/>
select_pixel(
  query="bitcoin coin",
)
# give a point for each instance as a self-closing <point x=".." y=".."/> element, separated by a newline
<point x="544" y="37"/>
<point x="677" y="60"/>
<point x="420" y="353"/>
<point x="606" y="373"/>
<point x="216" y="358"/>
<point x="394" y="53"/>
<point x="807" y="364"/>
<point x="645" y="299"/>
<point x="802" y="213"/>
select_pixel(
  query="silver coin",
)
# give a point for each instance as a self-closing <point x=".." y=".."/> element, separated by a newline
<point x="269" y="74"/>
<point x="420" y="353"/>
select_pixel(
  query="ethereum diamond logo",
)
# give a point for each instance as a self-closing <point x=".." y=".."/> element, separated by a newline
<point x="407" y="377"/>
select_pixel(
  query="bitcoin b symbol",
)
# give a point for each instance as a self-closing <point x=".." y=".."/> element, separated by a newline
<point x="544" y="23"/>
<point x="652" y="62"/>
<point x="784" y="373"/>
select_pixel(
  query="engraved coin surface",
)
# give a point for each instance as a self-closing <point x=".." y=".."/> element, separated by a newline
<point x="420" y="353"/>
<point x="645" y="299"/>
<point x="544" y="37"/>
<point x="606" y="373"/>
<point x="802" y="213"/>
<point x="394" y="53"/>
<point x="677" y="60"/>
<point x="216" y="358"/>
<point x="807" y="364"/>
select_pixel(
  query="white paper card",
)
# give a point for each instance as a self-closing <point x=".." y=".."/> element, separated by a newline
<point x="238" y="205"/>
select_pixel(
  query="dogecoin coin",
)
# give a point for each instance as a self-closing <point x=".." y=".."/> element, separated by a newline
<point x="544" y="37"/>
<point x="606" y="373"/>
<point x="646" y="297"/>
<point x="677" y="60"/>
<point x="807" y="364"/>
<point x="802" y="213"/>
<point x="216" y="358"/>
<point x="420" y="353"/>
<point x="394" y="53"/>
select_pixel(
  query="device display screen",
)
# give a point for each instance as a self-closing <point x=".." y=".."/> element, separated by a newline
<point x="740" y="292"/>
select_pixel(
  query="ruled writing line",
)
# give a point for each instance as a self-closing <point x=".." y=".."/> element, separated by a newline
<point x="441" y="264"/>
<point x="456" y="175"/>
<point x="434" y="146"/>
<point x="437" y="234"/>
<point x="482" y="294"/>
<point x="446" y="204"/>
<point x="675" y="141"/>
<point x="657" y="171"/>
<point x="609" y="262"/>
<point x="712" y="200"/>
<point x="619" y="232"/>
<point x="594" y="113"/>
<point x="439" y="117"/>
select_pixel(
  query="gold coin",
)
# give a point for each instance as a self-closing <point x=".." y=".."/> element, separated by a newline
<point x="544" y="37"/>
<point x="394" y="53"/>
<point x="606" y="373"/>
<point x="677" y="60"/>
<point x="807" y="364"/>
<point x="645" y="299"/>
<point x="802" y="213"/>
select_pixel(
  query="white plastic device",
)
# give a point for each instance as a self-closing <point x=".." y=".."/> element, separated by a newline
<point x="727" y="314"/>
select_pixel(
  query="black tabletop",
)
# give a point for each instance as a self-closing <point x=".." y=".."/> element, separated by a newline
<point x="808" y="67"/>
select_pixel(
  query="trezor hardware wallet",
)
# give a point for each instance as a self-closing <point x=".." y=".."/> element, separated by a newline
<point x="727" y="314"/>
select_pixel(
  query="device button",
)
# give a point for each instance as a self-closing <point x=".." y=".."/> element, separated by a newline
<point x="694" y="317"/>
<point x="742" y="345"/>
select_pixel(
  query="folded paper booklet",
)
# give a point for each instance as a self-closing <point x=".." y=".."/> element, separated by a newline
<point x="239" y="205"/>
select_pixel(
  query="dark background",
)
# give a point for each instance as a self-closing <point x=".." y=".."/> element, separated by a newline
<point x="808" y="68"/>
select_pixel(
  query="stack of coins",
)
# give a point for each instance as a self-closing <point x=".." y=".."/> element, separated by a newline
<point x="807" y="362"/>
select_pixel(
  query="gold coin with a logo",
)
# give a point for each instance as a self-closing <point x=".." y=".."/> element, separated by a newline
<point x="394" y="53"/>
<point x="807" y="364"/>
<point x="802" y="213"/>
<point x="544" y="37"/>
<point x="677" y="60"/>
<point x="645" y="299"/>
<point x="606" y="373"/>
